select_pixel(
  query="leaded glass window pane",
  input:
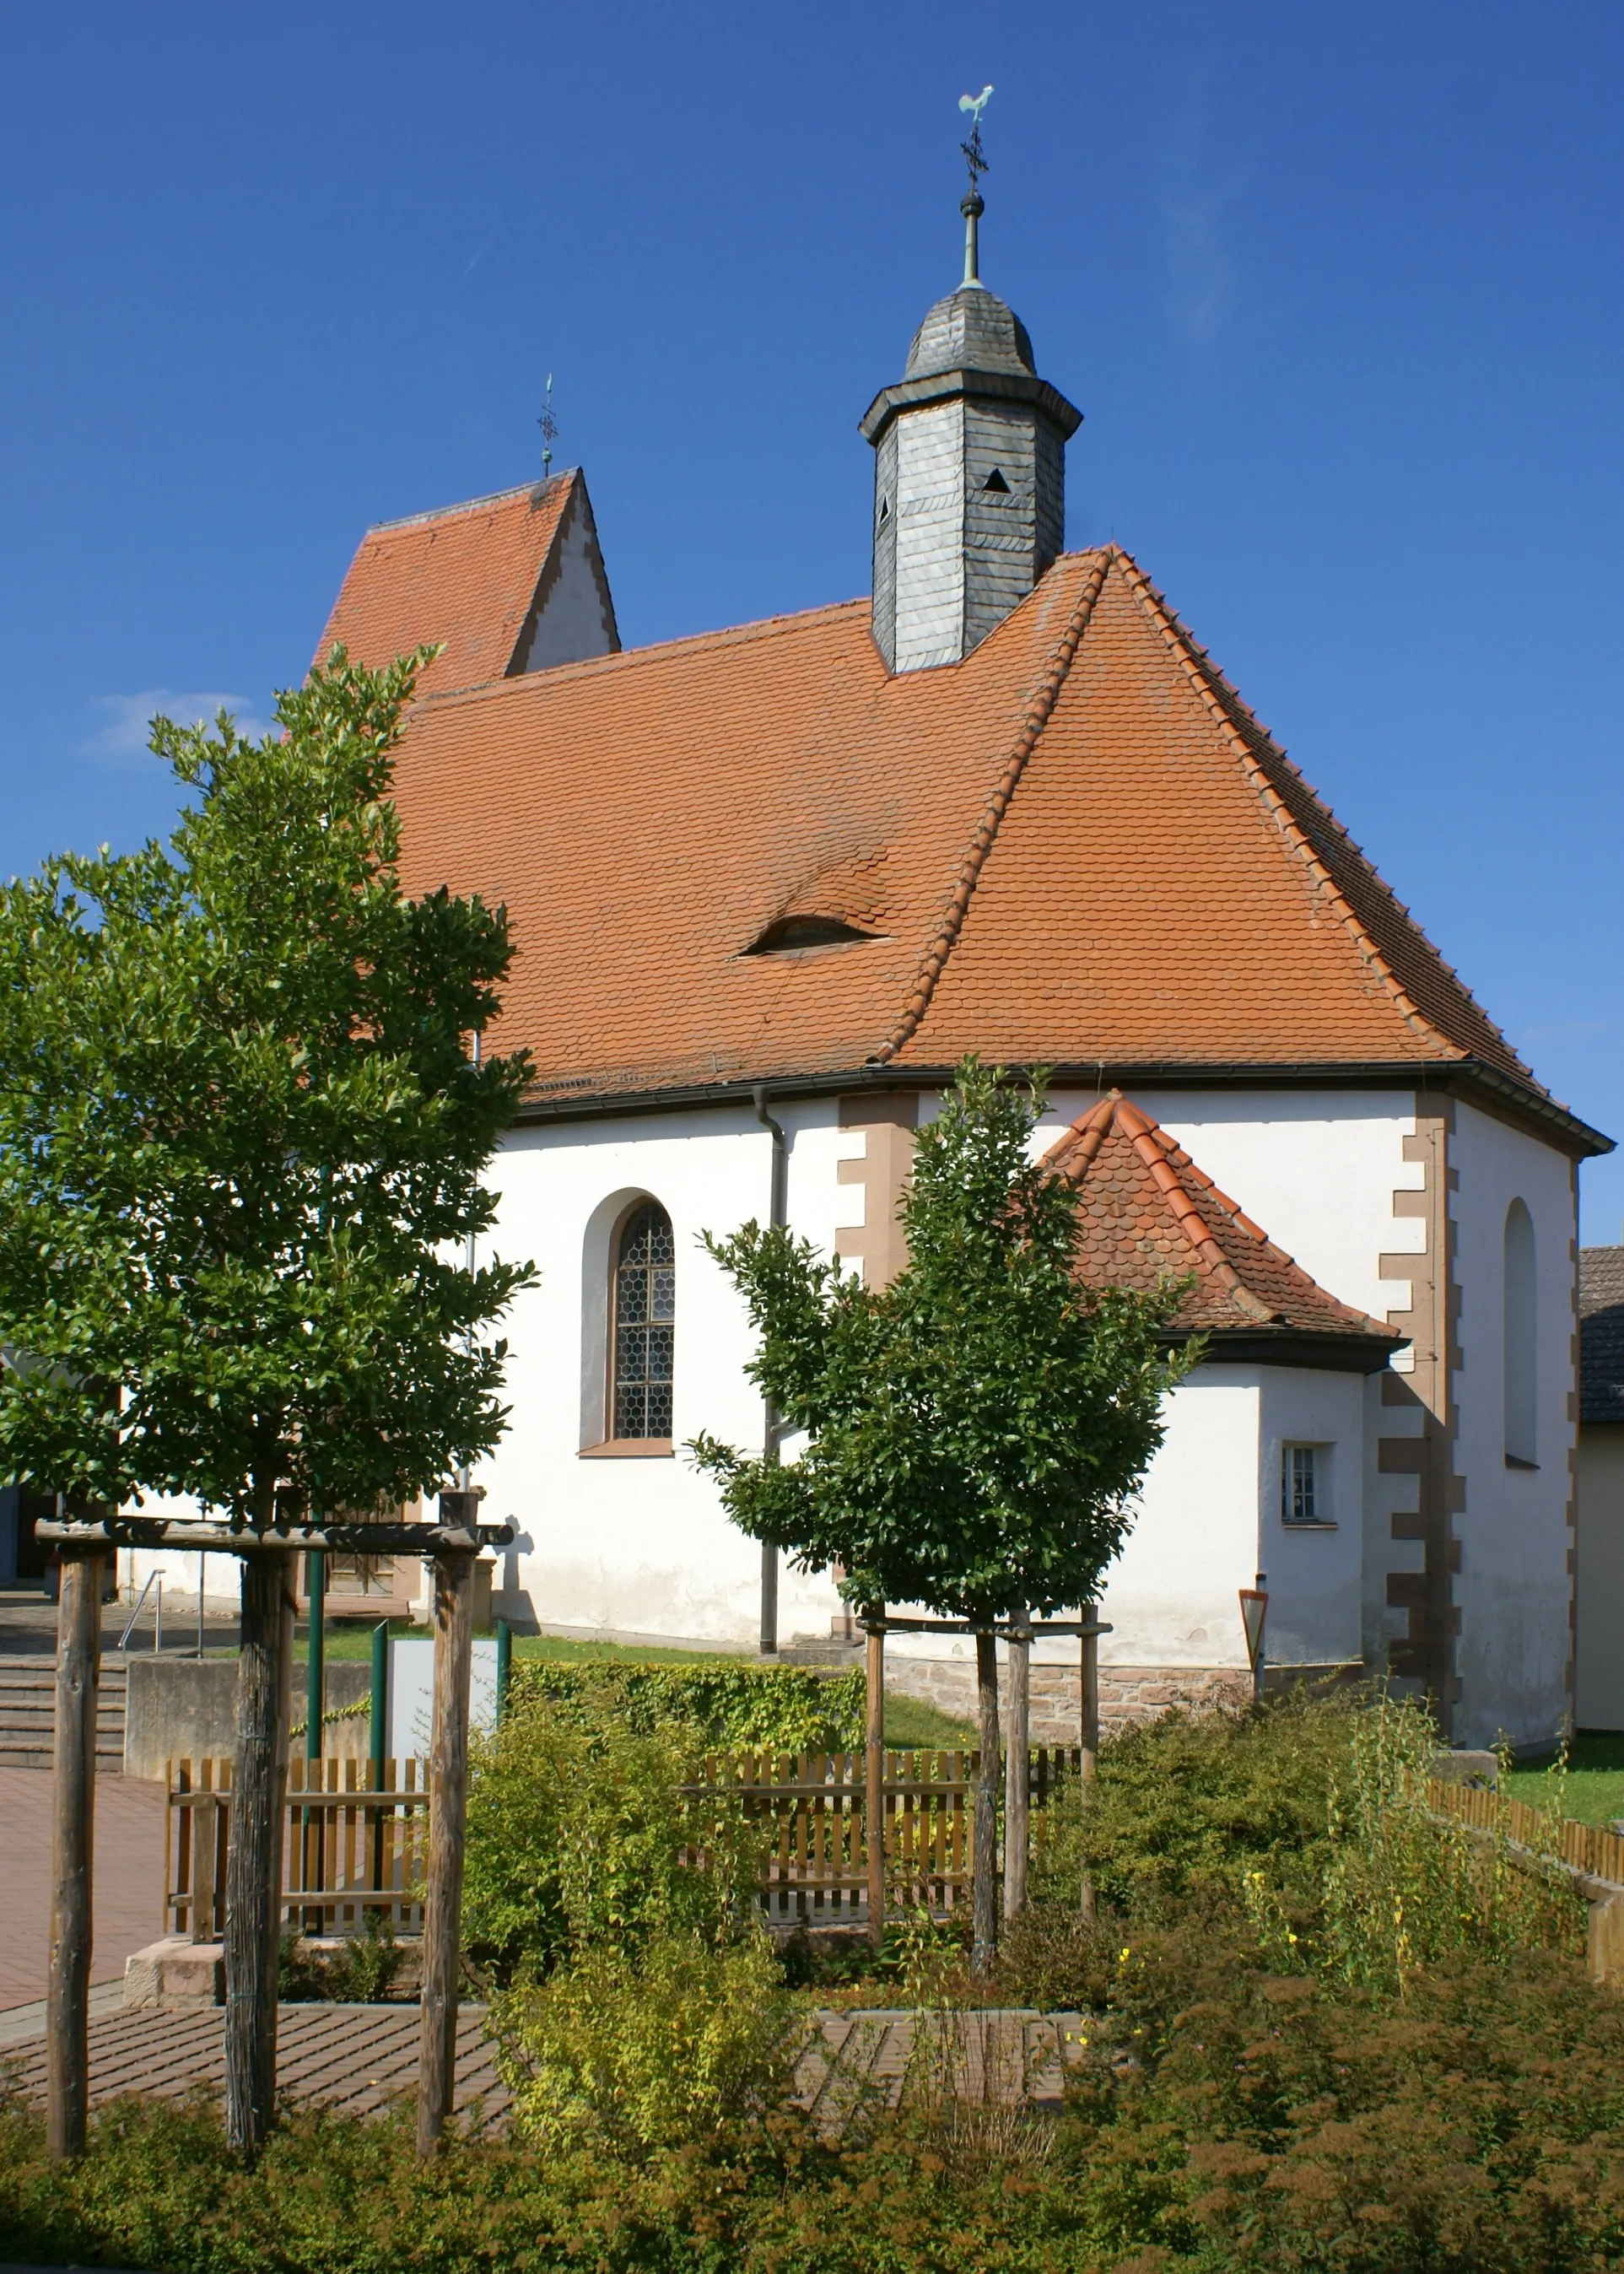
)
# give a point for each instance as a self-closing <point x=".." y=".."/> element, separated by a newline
<point x="645" y="1308"/>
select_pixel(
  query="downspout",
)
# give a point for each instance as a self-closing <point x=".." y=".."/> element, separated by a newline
<point x="777" y="1215"/>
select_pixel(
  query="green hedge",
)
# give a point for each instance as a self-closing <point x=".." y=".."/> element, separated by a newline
<point x="735" y="1706"/>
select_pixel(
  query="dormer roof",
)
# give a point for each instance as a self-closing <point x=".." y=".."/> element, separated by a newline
<point x="1147" y="1215"/>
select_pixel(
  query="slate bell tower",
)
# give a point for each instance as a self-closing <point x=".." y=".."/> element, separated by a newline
<point x="969" y="474"/>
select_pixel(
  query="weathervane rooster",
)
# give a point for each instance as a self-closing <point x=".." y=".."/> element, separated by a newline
<point x="974" y="157"/>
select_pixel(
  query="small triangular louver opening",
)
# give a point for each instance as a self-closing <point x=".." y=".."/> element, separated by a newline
<point x="995" y="482"/>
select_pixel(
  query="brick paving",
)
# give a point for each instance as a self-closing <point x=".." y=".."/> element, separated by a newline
<point x="128" y="1882"/>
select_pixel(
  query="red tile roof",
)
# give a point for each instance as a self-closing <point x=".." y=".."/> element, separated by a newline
<point x="1076" y="847"/>
<point x="466" y="575"/>
<point x="1146" y="1215"/>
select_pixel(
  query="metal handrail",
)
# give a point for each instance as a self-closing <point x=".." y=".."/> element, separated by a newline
<point x="154" y="1579"/>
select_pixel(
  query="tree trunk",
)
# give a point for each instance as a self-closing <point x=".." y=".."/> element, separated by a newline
<point x="984" y="1904"/>
<point x="1018" y="1777"/>
<point x="254" y="1854"/>
<point x="454" y="1633"/>
<point x="1090" y="1732"/>
<point x="67" y="2026"/>
<point x="874" y="1774"/>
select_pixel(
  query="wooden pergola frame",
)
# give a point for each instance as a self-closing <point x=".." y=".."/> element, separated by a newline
<point x="265" y="1673"/>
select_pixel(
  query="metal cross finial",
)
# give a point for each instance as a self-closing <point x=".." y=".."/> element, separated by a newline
<point x="548" y="424"/>
<point x="972" y="206"/>
<point x="974" y="157"/>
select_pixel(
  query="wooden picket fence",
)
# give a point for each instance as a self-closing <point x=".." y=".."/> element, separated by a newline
<point x="1583" y="1848"/>
<point x="351" y="1844"/>
<point x="815" y="1805"/>
<point x="353" y="1840"/>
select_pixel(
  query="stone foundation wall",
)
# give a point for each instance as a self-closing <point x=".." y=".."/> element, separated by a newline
<point x="1127" y="1693"/>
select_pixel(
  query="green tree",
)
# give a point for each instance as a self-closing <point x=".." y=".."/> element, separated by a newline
<point x="975" y="1430"/>
<point x="242" y="1134"/>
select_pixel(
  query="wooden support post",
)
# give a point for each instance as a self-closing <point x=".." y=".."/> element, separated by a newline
<point x="453" y="1634"/>
<point x="67" y="2029"/>
<point x="1090" y="1732"/>
<point x="984" y="1890"/>
<point x="1018" y="1771"/>
<point x="874" y="1774"/>
<point x="254" y="1854"/>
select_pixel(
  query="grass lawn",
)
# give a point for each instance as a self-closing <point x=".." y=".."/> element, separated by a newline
<point x="908" y="1723"/>
<point x="1595" y="1784"/>
<point x="352" y="1638"/>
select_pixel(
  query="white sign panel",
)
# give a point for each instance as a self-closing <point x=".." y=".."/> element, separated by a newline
<point x="411" y="1693"/>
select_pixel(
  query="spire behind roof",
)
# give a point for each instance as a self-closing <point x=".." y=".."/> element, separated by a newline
<point x="969" y="477"/>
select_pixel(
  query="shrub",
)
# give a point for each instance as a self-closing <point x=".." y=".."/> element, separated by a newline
<point x="1479" y="2126"/>
<point x="577" y="1839"/>
<point x="1305" y="1826"/>
<point x="726" y="1704"/>
<point x="1053" y="1958"/>
<point x="1185" y="1808"/>
<point x="675" y="2046"/>
<point x="1403" y="1888"/>
<point x="1234" y="2121"/>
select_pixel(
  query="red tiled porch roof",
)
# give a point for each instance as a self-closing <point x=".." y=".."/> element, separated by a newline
<point x="1147" y="1215"/>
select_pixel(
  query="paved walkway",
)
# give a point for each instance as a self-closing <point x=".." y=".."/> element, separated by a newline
<point x="28" y="1626"/>
<point x="128" y="1882"/>
<point x="358" y="2057"/>
<point x="1003" y="2057"/>
<point x="355" y="2058"/>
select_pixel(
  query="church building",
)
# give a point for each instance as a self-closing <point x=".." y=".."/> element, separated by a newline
<point x="769" y="885"/>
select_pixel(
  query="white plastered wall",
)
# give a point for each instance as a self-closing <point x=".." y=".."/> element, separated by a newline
<point x="1513" y="1589"/>
<point x="1600" y="1580"/>
<point x="641" y="1545"/>
<point x="1313" y="1572"/>
<point x="635" y="1545"/>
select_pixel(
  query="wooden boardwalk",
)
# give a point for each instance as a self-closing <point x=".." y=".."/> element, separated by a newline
<point x="355" y="2058"/>
<point x="359" y="2058"/>
<point x="1004" y="2057"/>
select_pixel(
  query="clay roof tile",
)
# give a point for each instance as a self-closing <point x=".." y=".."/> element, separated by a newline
<point x="1075" y="847"/>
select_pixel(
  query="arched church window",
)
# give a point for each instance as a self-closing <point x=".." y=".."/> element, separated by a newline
<point x="1522" y="1340"/>
<point x="646" y="1317"/>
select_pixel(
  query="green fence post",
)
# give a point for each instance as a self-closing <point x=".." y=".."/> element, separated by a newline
<point x="379" y="1744"/>
<point x="315" y="1688"/>
<point x="313" y="1823"/>
<point x="379" y="1736"/>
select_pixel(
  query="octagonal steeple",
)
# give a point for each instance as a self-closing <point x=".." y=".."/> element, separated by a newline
<point x="969" y="476"/>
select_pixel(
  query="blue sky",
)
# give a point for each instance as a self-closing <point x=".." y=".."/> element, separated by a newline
<point x="1339" y="288"/>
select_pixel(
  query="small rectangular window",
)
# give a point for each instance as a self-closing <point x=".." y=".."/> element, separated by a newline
<point x="1301" y="1483"/>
